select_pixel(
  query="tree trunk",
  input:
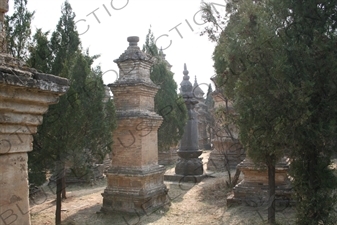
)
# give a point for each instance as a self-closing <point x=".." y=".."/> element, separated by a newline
<point x="271" y="190"/>
<point x="58" y="196"/>
<point x="64" y="196"/>
<point x="236" y="177"/>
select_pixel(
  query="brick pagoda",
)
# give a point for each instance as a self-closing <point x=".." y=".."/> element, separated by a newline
<point x="135" y="180"/>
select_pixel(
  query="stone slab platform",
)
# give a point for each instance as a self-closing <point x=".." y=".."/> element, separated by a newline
<point x="171" y="176"/>
<point x="182" y="178"/>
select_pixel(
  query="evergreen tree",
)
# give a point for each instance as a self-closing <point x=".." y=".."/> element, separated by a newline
<point x="78" y="129"/>
<point x="18" y="30"/>
<point x="276" y="61"/>
<point x="309" y="73"/>
<point x="65" y="40"/>
<point x="168" y="103"/>
<point x="40" y="52"/>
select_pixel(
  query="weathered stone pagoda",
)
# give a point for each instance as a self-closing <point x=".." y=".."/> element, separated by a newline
<point x="135" y="180"/>
<point x="189" y="166"/>
<point x="25" y="95"/>
<point x="202" y="114"/>
<point x="253" y="189"/>
<point x="209" y="102"/>
<point x="227" y="152"/>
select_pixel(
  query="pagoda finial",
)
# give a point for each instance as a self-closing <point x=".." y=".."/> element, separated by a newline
<point x="133" y="40"/>
<point x="185" y="70"/>
<point x="133" y="52"/>
<point x="186" y="86"/>
<point x="197" y="91"/>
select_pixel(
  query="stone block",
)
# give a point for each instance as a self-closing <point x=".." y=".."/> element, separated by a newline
<point x="254" y="187"/>
<point x="24" y="97"/>
<point x="136" y="188"/>
<point x="12" y="143"/>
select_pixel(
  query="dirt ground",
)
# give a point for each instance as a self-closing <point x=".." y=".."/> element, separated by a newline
<point x="202" y="203"/>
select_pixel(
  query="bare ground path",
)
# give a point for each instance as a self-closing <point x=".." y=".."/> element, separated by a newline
<point x="202" y="203"/>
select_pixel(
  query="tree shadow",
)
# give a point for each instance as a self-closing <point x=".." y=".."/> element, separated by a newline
<point x="214" y="191"/>
<point x="92" y="216"/>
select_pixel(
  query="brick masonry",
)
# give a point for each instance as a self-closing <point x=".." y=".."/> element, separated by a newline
<point x="135" y="180"/>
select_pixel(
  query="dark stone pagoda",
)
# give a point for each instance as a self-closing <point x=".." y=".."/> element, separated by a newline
<point x="189" y="166"/>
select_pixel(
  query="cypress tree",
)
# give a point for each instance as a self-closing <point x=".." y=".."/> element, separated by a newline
<point x="276" y="61"/>
<point x="18" y="30"/>
<point x="78" y="129"/>
<point x="168" y="103"/>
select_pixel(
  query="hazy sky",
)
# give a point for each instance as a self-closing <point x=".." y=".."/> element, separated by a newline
<point x="104" y="26"/>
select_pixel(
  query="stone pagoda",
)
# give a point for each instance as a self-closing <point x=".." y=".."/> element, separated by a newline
<point x="25" y="95"/>
<point x="227" y="152"/>
<point x="253" y="189"/>
<point x="135" y="180"/>
<point x="204" y="117"/>
<point x="189" y="166"/>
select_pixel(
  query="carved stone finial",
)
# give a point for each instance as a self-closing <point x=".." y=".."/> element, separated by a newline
<point x="133" y="52"/>
<point x="186" y="85"/>
<point x="185" y="70"/>
<point x="133" y="40"/>
<point x="197" y="91"/>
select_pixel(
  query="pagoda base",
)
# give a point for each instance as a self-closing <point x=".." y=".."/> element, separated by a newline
<point x="134" y="191"/>
<point x="192" y="166"/>
<point x="181" y="178"/>
<point x="218" y="162"/>
<point x="257" y="195"/>
<point x="227" y="152"/>
<point x="187" y="170"/>
<point x="253" y="189"/>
